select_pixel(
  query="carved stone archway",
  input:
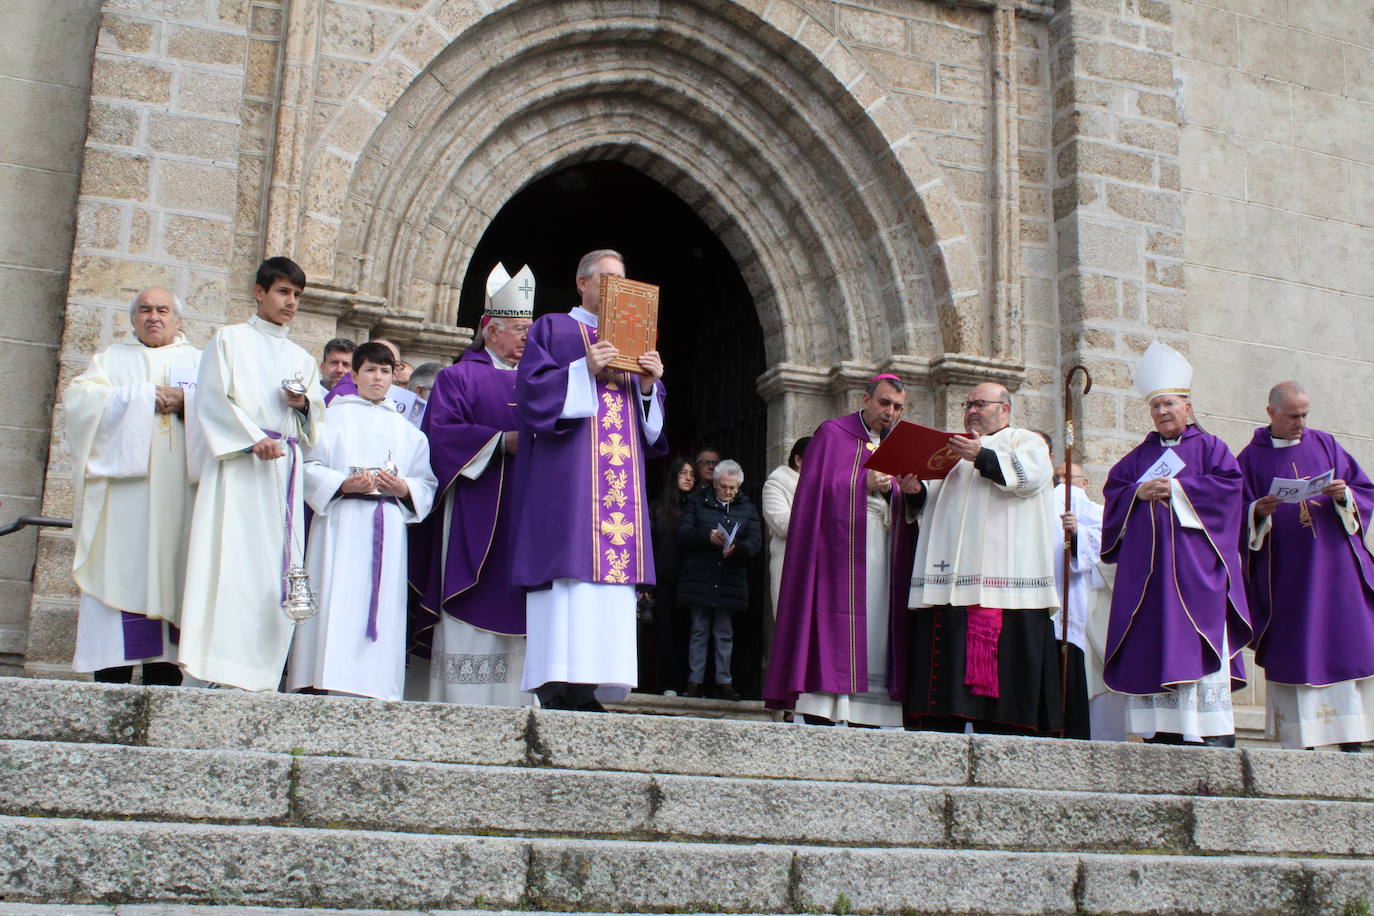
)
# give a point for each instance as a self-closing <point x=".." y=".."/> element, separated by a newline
<point x="850" y="242"/>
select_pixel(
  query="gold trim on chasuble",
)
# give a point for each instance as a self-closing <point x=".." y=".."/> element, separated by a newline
<point x="616" y="487"/>
<point x="853" y="616"/>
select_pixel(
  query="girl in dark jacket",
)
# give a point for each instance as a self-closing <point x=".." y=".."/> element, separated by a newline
<point x="718" y="533"/>
<point x="661" y="662"/>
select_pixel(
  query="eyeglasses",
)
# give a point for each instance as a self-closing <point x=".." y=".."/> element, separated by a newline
<point x="709" y="462"/>
<point x="979" y="405"/>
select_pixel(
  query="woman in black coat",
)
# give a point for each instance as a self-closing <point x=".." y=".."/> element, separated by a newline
<point x="718" y="533"/>
<point x="661" y="660"/>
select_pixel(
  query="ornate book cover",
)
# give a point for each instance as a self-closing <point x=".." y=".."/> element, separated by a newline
<point x="911" y="448"/>
<point x="628" y="319"/>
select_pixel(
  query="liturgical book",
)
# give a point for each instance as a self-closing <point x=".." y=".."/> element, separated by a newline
<point x="915" y="449"/>
<point x="628" y="319"/>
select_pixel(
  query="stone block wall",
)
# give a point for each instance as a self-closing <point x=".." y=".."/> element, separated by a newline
<point x="176" y="143"/>
<point x="1277" y="112"/>
<point x="45" y="76"/>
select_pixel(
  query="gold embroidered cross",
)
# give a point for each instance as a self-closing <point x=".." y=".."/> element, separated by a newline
<point x="1304" y="514"/>
<point x="617" y="529"/>
<point x="1326" y="713"/>
<point x="615" y="449"/>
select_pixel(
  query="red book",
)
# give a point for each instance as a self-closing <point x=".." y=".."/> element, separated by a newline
<point x="915" y="449"/>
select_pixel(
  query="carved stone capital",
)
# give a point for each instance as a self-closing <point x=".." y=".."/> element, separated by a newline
<point x="442" y="340"/>
<point x="961" y="369"/>
<point x="790" y="378"/>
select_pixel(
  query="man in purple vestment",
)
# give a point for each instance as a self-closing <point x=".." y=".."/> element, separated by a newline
<point x="838" y="647"/>
<point x="1310" y="580"/>
<point x="1172" y="522"/>
<point x="471" y="620"/>
<point x="581" y="522"/>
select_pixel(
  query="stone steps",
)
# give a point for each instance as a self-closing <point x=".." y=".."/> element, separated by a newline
<point x="254" y="788"/>
<point x="128" y="795"/>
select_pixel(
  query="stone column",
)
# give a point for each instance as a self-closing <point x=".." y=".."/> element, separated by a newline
<point x="1117" y="206"/>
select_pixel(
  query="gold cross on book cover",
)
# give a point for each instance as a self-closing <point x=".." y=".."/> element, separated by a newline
<point x="629" y="319"/>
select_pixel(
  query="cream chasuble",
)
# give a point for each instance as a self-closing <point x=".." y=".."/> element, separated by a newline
<point x="233" y="629"/>
<point x="132" y="494"/>
<point x="986" y="543"/>
<point x="333" y="650"/>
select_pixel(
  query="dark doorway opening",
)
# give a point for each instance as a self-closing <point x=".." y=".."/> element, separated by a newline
<point x="709" y="337"/>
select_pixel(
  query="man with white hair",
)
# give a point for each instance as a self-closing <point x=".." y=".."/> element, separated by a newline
<point x="471" y="621"/>
<point x="133" y="494"/>
<point x="1310" y="579"/>
<point x="422" y="379"/>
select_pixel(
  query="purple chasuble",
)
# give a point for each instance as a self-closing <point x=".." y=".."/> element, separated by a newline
<point x="1177" y="589"/>
<point x="345" y="385"/>
<point x="580" y="508"/>
<point x="1311" y="584"/>
<point x="819" y="642"/>
<point x="472" y="403"/>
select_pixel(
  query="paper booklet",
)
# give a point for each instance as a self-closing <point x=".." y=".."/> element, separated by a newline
<point x="183" y="377"/>
<point x="1166" y="467"/>
<point x="408" y="404"/>
<point x="1295" y="491"/>
<point x="729" y="533"/>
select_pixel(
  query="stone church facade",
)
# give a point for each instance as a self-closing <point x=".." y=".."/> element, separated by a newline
<point x="953" y="191"/>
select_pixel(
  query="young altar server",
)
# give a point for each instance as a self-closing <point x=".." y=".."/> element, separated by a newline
<point x="366" y="479"/>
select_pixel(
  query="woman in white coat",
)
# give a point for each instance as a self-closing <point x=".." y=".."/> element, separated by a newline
<point x="777" y="512"/>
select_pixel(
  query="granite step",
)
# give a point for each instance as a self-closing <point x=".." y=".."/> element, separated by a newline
<point x="125" y="862"/>
<point x="56" y="779"/>
<point x="190" y="718"/>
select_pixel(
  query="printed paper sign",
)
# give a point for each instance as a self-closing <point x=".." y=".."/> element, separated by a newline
<point x="1289" y="490"/>
<point x="1166" y="467"/>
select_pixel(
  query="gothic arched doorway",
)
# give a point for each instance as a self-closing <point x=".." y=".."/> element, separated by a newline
<point x="709" y="333"/>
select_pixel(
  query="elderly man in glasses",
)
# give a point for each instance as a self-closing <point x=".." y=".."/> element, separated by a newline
<point x="982" y="590"/>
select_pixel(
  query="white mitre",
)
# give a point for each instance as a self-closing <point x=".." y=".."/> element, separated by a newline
<point x="1163" y="370"/>
<point x="510" y="297"/>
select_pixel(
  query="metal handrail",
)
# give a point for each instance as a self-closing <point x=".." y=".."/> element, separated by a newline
<point x="39" y="520"/>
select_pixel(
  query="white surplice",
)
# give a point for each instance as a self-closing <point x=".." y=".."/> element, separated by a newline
<point x="132" y="496"/>
<point x="332" y="650"/>
<point x="1083" y="574"/>
<point x="233" y="629"/>
<point x="585" y="632"/>
<point x="875" y="705"/>
<point x="778" y="491"/>
<point x="987" y="543"/>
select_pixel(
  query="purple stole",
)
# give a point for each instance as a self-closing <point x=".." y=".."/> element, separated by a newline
<point x="345" y="385"/>
<point x="1177" y="589"/>
<point x="580" y="507"/>
<point x="1311" y="584"/>
<point x="820" y="640"/>
<point x="472" y="402"/>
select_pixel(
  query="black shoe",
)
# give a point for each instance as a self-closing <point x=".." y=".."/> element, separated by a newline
<point x="693" y="690"/>
<point x="727" y="692"/>
<point x="1351" y="747"/>
<point x="1219" y="741"/>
